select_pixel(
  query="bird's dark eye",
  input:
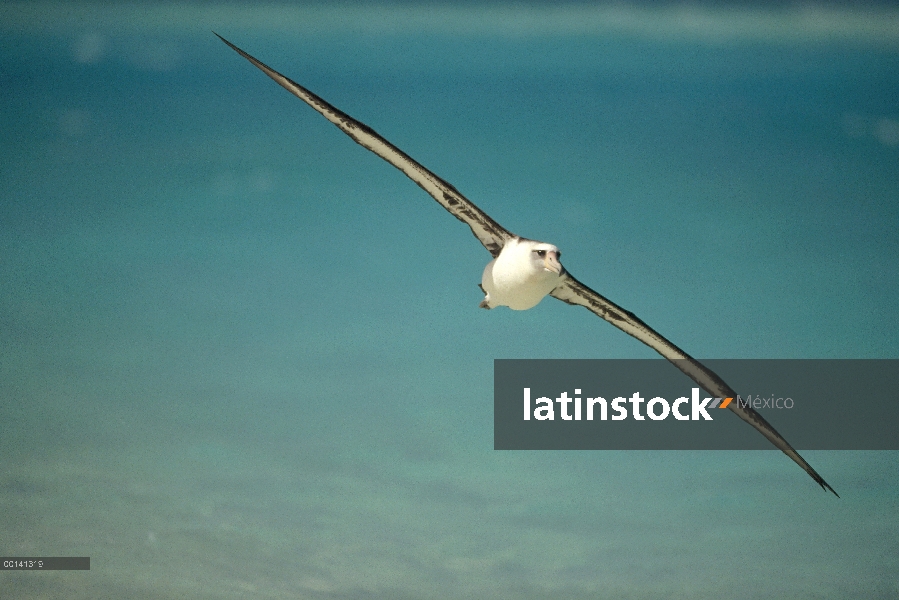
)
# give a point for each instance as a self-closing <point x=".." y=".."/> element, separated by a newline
<point x="540" y="253"/>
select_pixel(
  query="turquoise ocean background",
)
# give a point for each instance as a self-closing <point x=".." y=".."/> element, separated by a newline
<point x="240" y="356"/>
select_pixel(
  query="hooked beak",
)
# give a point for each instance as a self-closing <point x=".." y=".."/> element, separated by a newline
<point x="551" y="263"/>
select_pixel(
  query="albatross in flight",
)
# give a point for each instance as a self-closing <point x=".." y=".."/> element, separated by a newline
<point x="524" y="271"/>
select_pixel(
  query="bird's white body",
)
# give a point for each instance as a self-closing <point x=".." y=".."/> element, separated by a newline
<point x="522" y="275"/>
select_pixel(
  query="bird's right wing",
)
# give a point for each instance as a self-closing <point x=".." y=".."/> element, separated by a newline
<point x="489" y="232"/>
<point x="574" y="292"/>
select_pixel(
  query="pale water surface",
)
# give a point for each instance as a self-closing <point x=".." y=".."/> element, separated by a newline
<point x="242" y="357"/>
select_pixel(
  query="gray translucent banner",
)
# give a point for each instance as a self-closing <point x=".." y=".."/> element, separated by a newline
<point x="814" y="404"/>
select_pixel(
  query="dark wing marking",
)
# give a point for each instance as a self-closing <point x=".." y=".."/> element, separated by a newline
<point x="489" y="232"/>
<point x="574" y="292"/>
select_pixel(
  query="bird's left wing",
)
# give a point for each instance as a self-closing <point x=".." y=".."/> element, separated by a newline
<point x="489" y="232"/>
<point x="574" y="292"/>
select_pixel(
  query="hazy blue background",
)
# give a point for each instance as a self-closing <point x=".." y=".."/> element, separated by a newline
<point x="240" y="356"/>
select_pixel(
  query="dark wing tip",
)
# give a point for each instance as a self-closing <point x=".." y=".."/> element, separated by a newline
<point x="820" y="481"/>
<point x="827" y="488"/>
<point x="238" y="50"/>
<point x="229" y="43"/>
